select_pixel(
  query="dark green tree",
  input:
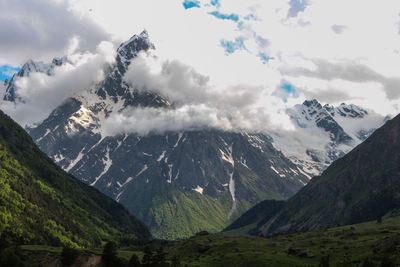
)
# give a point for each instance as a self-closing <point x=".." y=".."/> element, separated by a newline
<point x="345" y="262"/>
<point x="175" y="262"/>
<point x="4" y="242"/>
<point x="69" y="256"/>
<point x="147" y="257"/>
<point x="109" y="256"/>
<point x="324" y="261"/>
<point x="368" y="263"/>
<point x="159" y="259"/>
<point x="387" y="262"/>
<point x="9" y="257"/>
<point x="134" y="261"/>
<point x="8" y="239"/>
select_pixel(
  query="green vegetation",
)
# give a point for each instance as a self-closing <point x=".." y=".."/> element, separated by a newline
<point x="41" y="204"/>
<point x="255" y="216"/>
<point x="186" y="213"/>
<point x="353" y="245"/>
<point x="367" y="244"/>
<point x="173" y="213"/>
<point x="175" y="210"/>
<point x="109" y="257"/>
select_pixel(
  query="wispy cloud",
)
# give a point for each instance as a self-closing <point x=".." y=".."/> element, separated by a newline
<point x="333" y="58"/>
<point x="196" y="103"/>
<point x="297" y="6"/>
<point x="44" y="29"/>
<point x="338" y="29"/>
<point x="39" y="94"/>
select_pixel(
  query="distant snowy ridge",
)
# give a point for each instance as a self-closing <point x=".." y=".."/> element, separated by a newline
<point x="324" y="133"/>
<point x="27" y="69"/>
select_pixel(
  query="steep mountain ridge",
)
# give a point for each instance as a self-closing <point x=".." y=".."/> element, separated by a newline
<point x="41" y="204"/>
<point x="361" y="186"/>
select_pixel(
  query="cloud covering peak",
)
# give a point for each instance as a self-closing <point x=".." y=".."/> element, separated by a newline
<point x="195" y="102"/>
<point x="232" y="58"/>
<point x="39" y="93"/>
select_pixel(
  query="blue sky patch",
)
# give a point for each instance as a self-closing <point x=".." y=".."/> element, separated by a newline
<point x="215" y="3"/>
<point x="264" y="57"/>
<point x="191" y="3"/>
<point x="7" y="71"/>
<point x="286" y="90"/>
<point x="297" y="6"/>
<point x="232" y="46"/>
<point x="223" y="16"/>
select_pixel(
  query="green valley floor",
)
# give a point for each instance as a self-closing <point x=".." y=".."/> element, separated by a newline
<point x="371" y="243"/>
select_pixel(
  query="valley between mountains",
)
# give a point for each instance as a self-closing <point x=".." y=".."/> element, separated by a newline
<point x="179" y="183"/>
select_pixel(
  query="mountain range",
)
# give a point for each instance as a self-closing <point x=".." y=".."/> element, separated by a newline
<point x="179" y="183"/>
<point x="361" y="186"/>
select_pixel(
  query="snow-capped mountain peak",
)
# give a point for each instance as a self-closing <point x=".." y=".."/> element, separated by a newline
<point x="312" y="114"/>
<point x="325" y="133"/>
<point x="312" y="104"/>
<point x="351" y="110"/>
<point x="144" y="36"/>
<point x="129" y="49"/>
<point x="32" y="66"/>
<point x="27" y="69"/>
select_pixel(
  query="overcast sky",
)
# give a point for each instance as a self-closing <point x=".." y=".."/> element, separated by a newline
<point x="333" y="50"/>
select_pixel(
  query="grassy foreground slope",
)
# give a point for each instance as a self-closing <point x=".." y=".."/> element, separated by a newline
<point x="342" y="246"/>
<point x="41" y="204"/>
<point x="370" y="243"/>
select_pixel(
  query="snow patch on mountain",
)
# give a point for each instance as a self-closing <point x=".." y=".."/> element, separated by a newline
<point x="161" y="156"/>
<point x="229" y="158"/>
<point x="45" y="134"/>
<point x="177" y="141"/>
<point x="198" y="189"/>
<point x="107" y="162"/>
<point x="75" y="161"/>
<point x="170" y="166"/>
<point x="142" y="170"/>
<point x="323" y="134"/>
<point x="127" y="181"/>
